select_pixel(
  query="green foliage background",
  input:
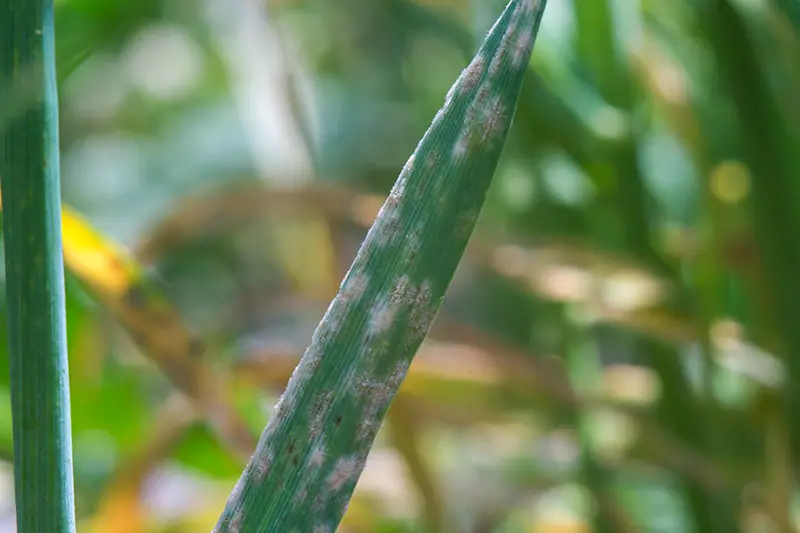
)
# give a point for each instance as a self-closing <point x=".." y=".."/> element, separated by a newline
<point x="618" y="351"/>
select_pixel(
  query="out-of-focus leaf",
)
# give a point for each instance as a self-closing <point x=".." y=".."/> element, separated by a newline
<point x="406" y="439"/>
<point x="137" y="301"/>
<point x="121" y="508"/>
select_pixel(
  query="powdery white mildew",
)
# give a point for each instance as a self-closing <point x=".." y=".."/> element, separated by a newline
<point x="345" y="470"/>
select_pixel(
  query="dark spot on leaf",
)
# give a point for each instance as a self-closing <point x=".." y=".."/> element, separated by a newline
<point x="338" y="421"/>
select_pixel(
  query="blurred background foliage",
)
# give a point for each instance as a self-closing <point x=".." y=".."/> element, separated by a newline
<point x="619" y="350"/>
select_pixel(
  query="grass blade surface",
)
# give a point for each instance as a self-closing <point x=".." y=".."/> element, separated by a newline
<point x="314" y="449"/>
<point x="29" y="170"/>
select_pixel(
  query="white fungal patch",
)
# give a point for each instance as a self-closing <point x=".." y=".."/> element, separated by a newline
<point x="381" y="316"/>
<point x="345" y="470"/>
<point x="481" y="98"/>
<point x="402" y="291"/>
<point x="397" y="375"/>
<point x="319" y="410"/>
<point x="388" y="222"/>
<point x="355" y="287"/>
<point x="367" y="429"/>
<point x="505" y="43"/>
<point x="413" y="244"/>
<point x="514" y="23"/>
<point x="421" y="314"/>
<point x="369" y="389"/>
<point x="530" y="5"/>
<point x="472" y="121"/>
<point x="235" y="523"/>
<point x="497" y="62"/>
<point x="399" y="189"/>
<point x="492" y="119"/>
<point x="317" y="457"/>
<point x="323" y="528"/>
<point x="375" y="395"/>
<point x="423" y="297"/>
<point x="261" y="466"/>
<point x="409" y="166"/>
<point x="450" y="94"/>
<point x="236" y="493"/>
<point x="471" y="76"/>
<point x="522" y="48"/>
<point x="432" y="160"/>
<point x="461" y="148"/>
<point x="313" y="356"/>
<point x="378" y="395"/>
<point x="281" y="408"/>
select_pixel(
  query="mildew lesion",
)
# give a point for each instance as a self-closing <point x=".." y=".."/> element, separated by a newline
<point x="413" y="245"/>
<point x="235" y="524"/>
<point x="382" y="316"/>
<point x="471" y="76"/>
<point x="355" y="287"/>
<point x="522" y="48"/>
<point x="398" y="191"/>
<point x="346" y="470"/>
<point x="261" y="466"/>
<point x="401" y="290"/>
<point x="317" y="457"/>
<point x="318" y="413"/>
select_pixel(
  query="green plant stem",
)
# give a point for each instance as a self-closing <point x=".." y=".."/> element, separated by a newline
<point x="313" y="451"/>
<point x="29" y="170"/>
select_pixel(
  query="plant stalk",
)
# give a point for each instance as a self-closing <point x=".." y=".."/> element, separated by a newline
<point x="29" y="173"/>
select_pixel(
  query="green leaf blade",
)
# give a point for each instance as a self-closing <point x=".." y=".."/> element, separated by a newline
<point x="29" y="171"/>
<point x="314" y="449"/>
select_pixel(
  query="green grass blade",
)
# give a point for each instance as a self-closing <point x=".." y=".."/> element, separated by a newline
<point x="311" y="454"/>
<point x="29" y="169"/>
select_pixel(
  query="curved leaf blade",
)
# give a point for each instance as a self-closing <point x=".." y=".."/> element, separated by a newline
<point x="314" y="449"/>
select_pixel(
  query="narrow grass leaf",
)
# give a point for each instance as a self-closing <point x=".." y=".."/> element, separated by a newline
<point x="29" y="170"/>
<point x="315" y="447"/>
